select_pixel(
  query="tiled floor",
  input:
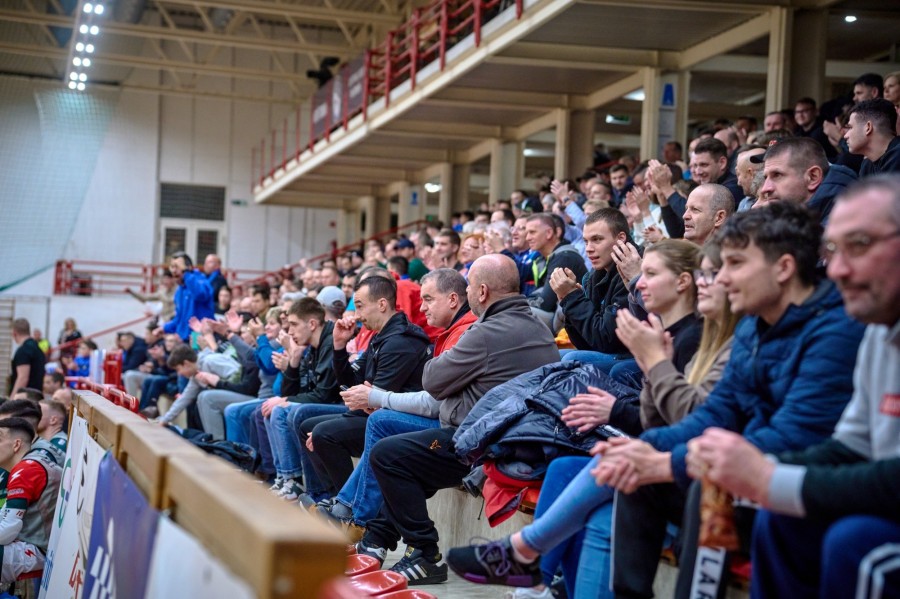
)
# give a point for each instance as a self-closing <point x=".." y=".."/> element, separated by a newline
<point x="455" y="587"/>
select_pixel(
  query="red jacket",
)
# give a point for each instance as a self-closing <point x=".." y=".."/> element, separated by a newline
<point x="451" y="335"/>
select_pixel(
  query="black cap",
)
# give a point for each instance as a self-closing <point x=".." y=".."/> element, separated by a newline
<point x="761" y="158"/>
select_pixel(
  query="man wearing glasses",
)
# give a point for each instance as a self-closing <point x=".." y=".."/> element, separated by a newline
<point x="830" y="527"/>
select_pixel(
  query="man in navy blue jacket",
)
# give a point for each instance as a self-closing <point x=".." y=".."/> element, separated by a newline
<point x="788" y="380"/>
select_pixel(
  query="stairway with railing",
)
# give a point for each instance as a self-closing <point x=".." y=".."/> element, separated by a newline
<point x="424" y="38"/>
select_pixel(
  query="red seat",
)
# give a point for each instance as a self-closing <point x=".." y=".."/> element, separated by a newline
<point x="337" y="588"/>
<point x="360" y="564"/>
<point x="408" y="594"/>
<point x="378" y="583"/>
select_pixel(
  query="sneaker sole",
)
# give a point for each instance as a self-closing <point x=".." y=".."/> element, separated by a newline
<point x="437" y="578"/>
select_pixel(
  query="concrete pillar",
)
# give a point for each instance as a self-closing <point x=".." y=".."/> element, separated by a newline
<point x="346" y="223"/>
<point x="460" y="188"/>
<point x="367" y="207"/>
<point x="682" y="107"/>
<point x="445" y="199"/>
<point x="650" y="113"/>
<point x="382" y="213"/>
<point x="563" y="133"/>
<point x="507" y="168"/>
<point x="809" y="41"/>
<point x="779" y="68"/>
<point x="581" y="141"/>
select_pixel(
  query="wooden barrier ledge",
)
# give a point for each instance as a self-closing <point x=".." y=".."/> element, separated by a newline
<point x="280" y="550"/>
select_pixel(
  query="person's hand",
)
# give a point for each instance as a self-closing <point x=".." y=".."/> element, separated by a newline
<point x="207" y="379"/>
<point x="563" y="282"/>
<point x="660" y="177"/>
<point x="280" y="361"/>
<point x="627" y="260"/>
<point x="493" y="242"/>
<point x="587" y="411"/>
<point x="216" y="326"/>
<point x="653" y="234"/>
<point x="309" y="443"/>
<point x="628" y="464"/>
<point x="158" y="331"/>
<point x="234" y="321"/>
<point x="270" y="404"/>
<point x="560" y="191"/>
<point x="343" y="331"/>
<point x="256" y="327"/>
<point x="731" y="462"/>
<point x="357" y="396"/>
<point x="146" y="367"/>
<point x="195" y="324"/>
<point x="741" y="134"/>
<point x="645" y="340"/>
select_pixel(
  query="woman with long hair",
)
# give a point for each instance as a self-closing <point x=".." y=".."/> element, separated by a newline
<point x="572" y="523"/>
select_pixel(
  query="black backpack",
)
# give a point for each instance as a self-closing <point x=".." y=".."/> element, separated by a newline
<point x="240" y="454"/>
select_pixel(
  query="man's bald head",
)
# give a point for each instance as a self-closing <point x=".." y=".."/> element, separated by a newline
<point x="491" y="278"/>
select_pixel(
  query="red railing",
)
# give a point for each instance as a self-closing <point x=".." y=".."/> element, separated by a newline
<point x="95" y="278"/>
<point x="423" y="38"/>
<point x="117" y="396"/>
<point x="55" y="351"/>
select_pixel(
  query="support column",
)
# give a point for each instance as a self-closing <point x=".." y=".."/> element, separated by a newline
<point x="507" y="168"/>
<point x="581" y="141"/>
<point x="343" y="226"/>
<point x="445" y="199"/>
<point x="460" y="190"/>
<point x="367" y="206"/>
<point x="411" y="205"/>
<point x="382" y="213"/>
<point x="779" y="67"/>
<point x="650" y="113"/>
<point x="561" y="152"/>
<point x="682" y="108"/>
<point x="808" y="45"/>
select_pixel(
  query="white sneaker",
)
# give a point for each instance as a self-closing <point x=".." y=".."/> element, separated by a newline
<point x="290" y="491"/>
<point x="277" y="485"/>
<point x="528" y="593"/>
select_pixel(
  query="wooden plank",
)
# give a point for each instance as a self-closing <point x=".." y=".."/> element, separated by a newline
<point x="144" y="449"/>
<point x="106" y="424"/>
<point x="277" y="548"/>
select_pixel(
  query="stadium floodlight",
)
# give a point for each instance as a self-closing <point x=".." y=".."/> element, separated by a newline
<point x="89" y="48"/>
<point x="73" y="75"/>
<point x="79" y="47"/>
<point x="72" y="85"/>
<point x="94" y="30"/>
<point x="88" y="7"/>
<point x="81" y="87"/>
<point x="82" y="77"/>
<point x="98" y="9"/>
<point x="83" y="29"/>
<point x="76" y="61"/>
<point x="86" y="62"/>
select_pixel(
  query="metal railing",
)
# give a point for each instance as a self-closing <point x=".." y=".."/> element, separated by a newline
<point x="425" y="37"/>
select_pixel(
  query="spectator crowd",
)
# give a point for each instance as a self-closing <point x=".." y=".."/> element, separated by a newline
<point x="699" y="350"/>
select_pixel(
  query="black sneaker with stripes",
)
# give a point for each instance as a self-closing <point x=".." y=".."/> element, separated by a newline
<point x="418" y="569"/>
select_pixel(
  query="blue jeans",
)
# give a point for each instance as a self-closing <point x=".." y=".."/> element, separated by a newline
<point x="283" y="436"/>
<point x="361" y="492"/>
<point x="152" y="387"/>
<point x="556" y="532"/>
<point x="621" y="367"/>
<point x="238" y="422"/>
<point x="809" y="559"/>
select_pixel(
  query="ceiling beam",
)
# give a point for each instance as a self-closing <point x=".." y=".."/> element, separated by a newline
<point x="459" y="131"/>
<point x="692" y="5"/>
<point x="335" y="168"/>
<point x="584" y="57"/>
<point x="180" y="35"/>
<point x="299" y="11"/>
<point x="308" y="200"/>
<point x="397" y="152"/>
<point x="726" y="41"/>
<point x="527" y="100"/>
<point x="156" y="64"/>
<point x="339" y="187"/>
<point x="613" y="91"/>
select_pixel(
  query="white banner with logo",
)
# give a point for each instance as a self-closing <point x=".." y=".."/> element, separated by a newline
<point x="171" y="575"/>
<point x="71" y="532"/>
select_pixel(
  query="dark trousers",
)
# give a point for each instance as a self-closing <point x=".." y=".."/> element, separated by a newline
<point x="639" y="530"/>
<point x="266" y="461"/>
<point x="152" y="387"/>
<point x="410" y="468"/>
<point x="814" y="559"/>
<point x="337" y="438"/>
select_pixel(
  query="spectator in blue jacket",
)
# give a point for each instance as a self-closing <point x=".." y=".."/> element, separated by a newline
<point x="786" y="384"/>
<point x="193" y="298"/>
